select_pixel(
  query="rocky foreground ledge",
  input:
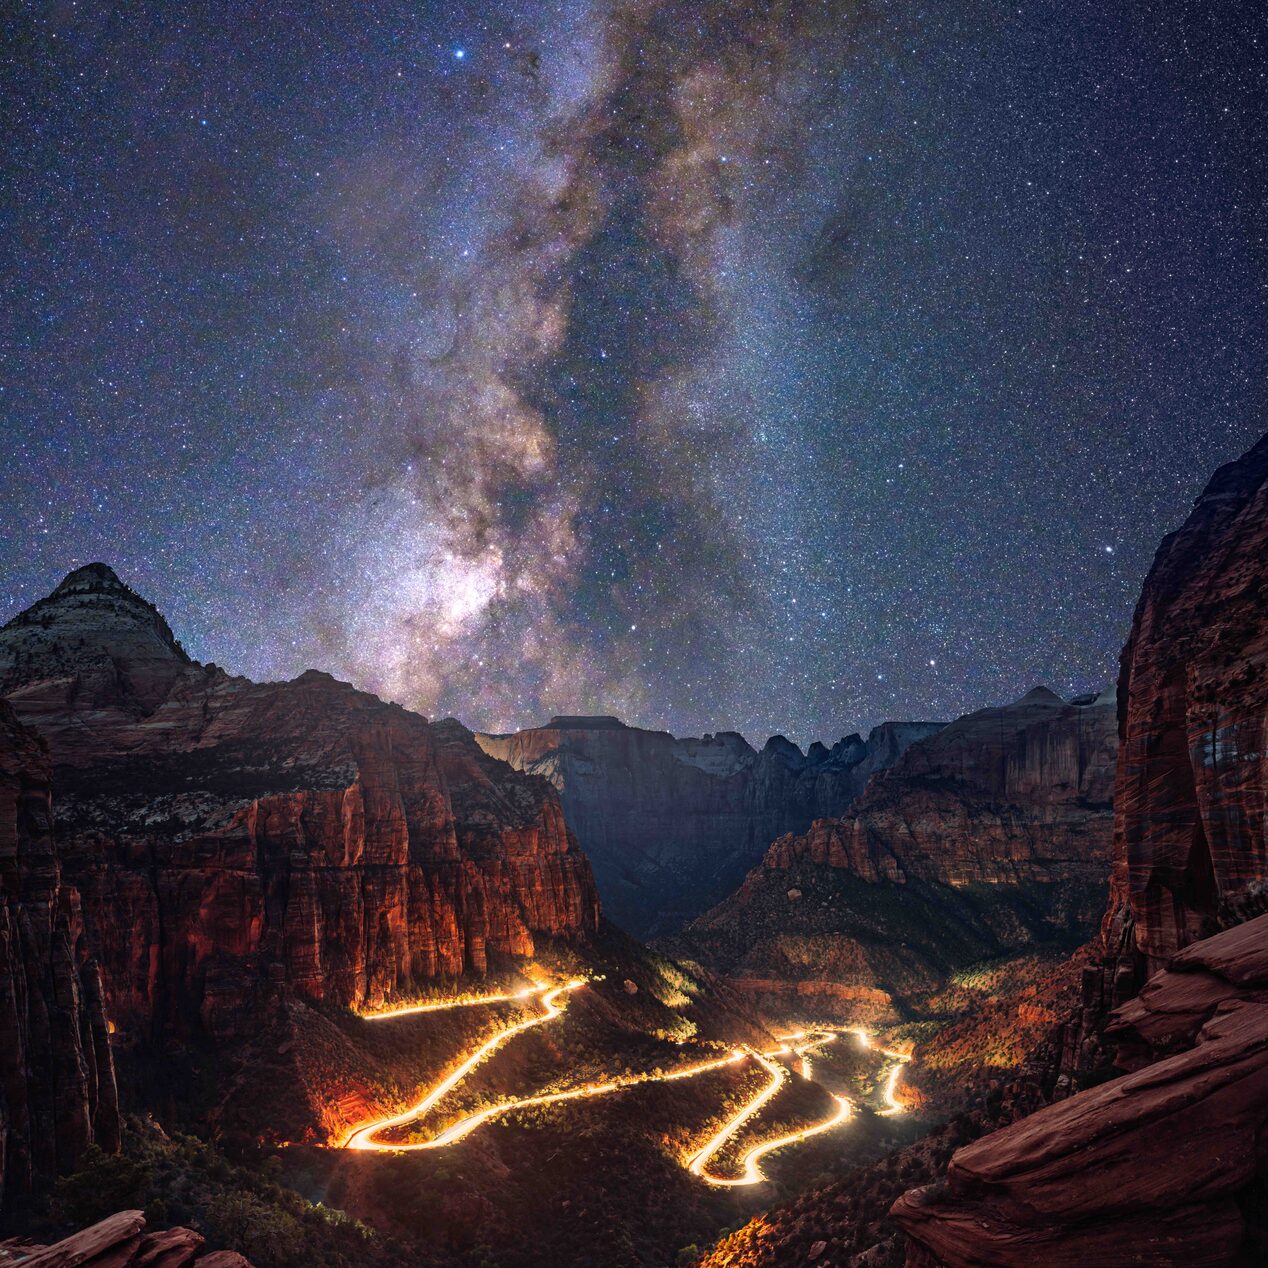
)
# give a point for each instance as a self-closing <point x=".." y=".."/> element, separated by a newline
<point x="1157" y="1167"/>
<point x="119" y="1241"/>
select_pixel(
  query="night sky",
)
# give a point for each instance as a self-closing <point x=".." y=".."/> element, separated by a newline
<point x="774" y="367"/>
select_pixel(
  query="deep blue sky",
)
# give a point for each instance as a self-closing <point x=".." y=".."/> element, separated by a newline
<point x="680" y="361"/>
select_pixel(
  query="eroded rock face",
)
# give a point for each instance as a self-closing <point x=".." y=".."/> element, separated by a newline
<point x="57" y="1081"/>
<point x="672" y="825"/>
<point x="989" y="836"/>
<point x="1189" y="838"/>
<point x="234" y="840"/>
<point x="1160" y="1167"/>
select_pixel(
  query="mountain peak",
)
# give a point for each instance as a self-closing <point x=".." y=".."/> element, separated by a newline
<point x="1041" y="694"/>
<point x="89" y="578"/>
<point x="584" y="722"/>
<point x="96" y="630"/>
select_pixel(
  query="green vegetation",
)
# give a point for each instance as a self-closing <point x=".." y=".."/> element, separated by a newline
<point x="182" y="1180"/>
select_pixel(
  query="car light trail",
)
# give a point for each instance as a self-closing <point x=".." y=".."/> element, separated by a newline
<point x="443" y="1005"/>
<point x="752" y="1172"/>
<point x="799" y="1043"/>
<point x="697" y="1163"/>
<point x="900" y="1059"/>
<point x="363" y="1137"/>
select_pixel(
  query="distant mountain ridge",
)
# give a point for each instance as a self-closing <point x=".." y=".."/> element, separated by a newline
<point x="671" y="825"/>
<point x="990" y="836"/>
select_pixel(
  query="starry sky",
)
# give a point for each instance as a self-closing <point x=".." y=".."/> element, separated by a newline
<point x="777" y="367"/>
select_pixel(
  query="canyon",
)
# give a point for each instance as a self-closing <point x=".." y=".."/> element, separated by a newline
<point x="294" y="890"/>
<point x="987" y="838"/>
<point x="1133" y="1129"/>
<point x="672" y="825"/>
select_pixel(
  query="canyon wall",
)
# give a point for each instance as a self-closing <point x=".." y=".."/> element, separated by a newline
<point x="235" y="841"/>
<point x="989" y="836"/>
<point x="671" y="825"/>
<point x="57" y="1081"/>
<point x="1192" y="787"/>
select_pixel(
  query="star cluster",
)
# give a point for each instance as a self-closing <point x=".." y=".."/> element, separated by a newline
<point x="777" y="367"/>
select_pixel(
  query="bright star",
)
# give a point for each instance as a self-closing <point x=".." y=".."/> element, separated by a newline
<point x="460" y="53"/>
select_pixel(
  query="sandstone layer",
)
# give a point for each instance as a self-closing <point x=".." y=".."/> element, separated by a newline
<point x="122" y="1241"/>
<point x="57" y="1080"/>
<point x="235" y="841"/>
<point x="671" y="825"/>
<point x="991" y="836"/>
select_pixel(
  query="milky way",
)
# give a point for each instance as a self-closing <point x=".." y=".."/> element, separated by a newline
<point x="780" y="367"/>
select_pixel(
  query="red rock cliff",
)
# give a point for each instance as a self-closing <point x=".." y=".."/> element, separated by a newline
<point x="1000" y="796"/>
<point x="990" y="836"/>
<point x="1193" y="697"/>
<point x="1161" y="1167"/>
<point x="57" y="1083"/>
<point x="235" y="840"/>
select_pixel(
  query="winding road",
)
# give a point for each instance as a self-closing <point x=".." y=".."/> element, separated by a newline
<point x="801" y="1044"/>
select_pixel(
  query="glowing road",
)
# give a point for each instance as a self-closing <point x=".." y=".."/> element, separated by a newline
<point x="368" y="1136"/>
<point x="363" y="1137"/>
<point x="900" y="1059"/>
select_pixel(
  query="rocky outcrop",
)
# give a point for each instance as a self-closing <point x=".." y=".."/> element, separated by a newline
<point x="57" y="1081"/>
<point x="121" y="1241"/>
<point x="1163" y="1166"/>
<point x="1189" y="837"/>
<point x="990" y="836"/>
<point x="671" y="825"/>
<point x="234" y="841"/>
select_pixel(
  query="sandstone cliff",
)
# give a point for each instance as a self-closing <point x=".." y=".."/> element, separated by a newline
<point x="671" y="825"/>
<point x="235" y="841"/>
<point x="1193" y="691"/>
<point x="57" y="1082"/>
<point x="990" y="836"/>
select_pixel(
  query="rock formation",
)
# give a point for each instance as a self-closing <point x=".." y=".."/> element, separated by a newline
<point x="57" y="1081"/>
<point x="671" y="825"/>
<point x="121" y="1241"/>
<point x="1189" y="836"/>
<point x="991" y="835"/>
<point x="233" y="841"/>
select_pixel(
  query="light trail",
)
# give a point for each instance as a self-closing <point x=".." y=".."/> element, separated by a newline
<point x="443" y="1005"/>
<point x="467" y="1125"/>
<point x="752" y="1173"/>
<point x="365" y="1138"/>
<point x="900" y="1059"/>
<point x="697" y="1163"/>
